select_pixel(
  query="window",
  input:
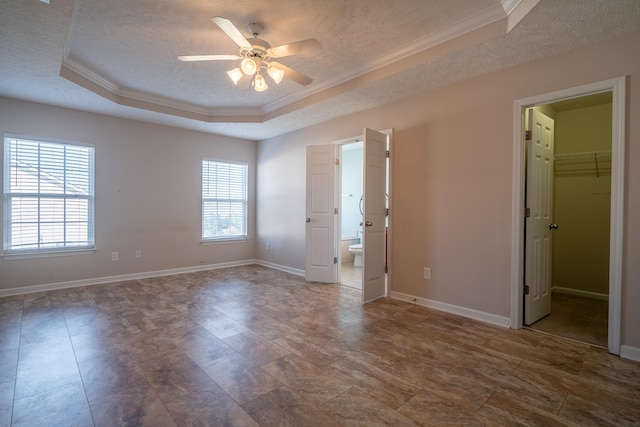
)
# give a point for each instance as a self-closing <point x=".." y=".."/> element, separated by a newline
<point x="224" y="200"/>
<point x="48" y="196"/>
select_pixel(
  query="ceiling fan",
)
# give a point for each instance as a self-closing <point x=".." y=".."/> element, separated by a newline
<point x="256" y="55"/>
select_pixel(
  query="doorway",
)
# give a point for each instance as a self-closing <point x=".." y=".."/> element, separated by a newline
<point x="322" y="235"/>
<point x="350" y="212"/>
<point x="364" y="170"/>
<point x="616" y="87"/>
<point x="579" y="221"/>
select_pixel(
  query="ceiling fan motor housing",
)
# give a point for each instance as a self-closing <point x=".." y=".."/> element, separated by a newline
<point x="259" y="49"/>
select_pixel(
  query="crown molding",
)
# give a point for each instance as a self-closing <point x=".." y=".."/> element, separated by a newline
<point x="76" y="72"/>
<point x="483" y="26"/>
<point x="509" y="5"/>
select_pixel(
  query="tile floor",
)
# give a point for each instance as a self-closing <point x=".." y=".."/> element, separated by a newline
<point x="351" y="276"/>
<point x="252" y="346"/>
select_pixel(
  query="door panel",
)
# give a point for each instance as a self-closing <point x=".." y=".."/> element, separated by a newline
<point x="320" y="215"/>
<point x="537" y="303"/>
<point x="374" y="218"/>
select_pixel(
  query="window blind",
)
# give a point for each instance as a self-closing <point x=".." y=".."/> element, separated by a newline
<point x="48" y="196"/>
<point x="224" y="200"/>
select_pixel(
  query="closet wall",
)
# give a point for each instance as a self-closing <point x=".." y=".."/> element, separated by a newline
<point x="582" y="199"/>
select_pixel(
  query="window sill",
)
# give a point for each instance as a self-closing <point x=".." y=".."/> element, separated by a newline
<point x="239" y="239"/>
<point x="48" y="254"/>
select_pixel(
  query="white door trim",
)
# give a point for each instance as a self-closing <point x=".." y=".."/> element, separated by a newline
<point x="618" y="87"/>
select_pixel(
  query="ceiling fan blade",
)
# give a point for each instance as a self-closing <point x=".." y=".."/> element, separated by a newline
<point x="191" y="58"/>
<point x="303" y="46"/>
<point x="231" y="30"/>
<point x="294" y="75"/>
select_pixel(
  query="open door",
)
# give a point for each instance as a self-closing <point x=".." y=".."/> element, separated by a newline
<point x="539" y="221"/>
<point x="320" y="262"/>
<point x="374" y="215"/>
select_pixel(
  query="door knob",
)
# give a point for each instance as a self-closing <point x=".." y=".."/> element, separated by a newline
<point x="308" y="220"/>
<point x="368" y="223"/>
<point x="553" y="226"/>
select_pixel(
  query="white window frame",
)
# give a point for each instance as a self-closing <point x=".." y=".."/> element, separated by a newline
<point x="48" y="247"/>
<point x="210" y="195"/>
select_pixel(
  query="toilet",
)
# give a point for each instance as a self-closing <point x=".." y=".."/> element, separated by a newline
<point x="356" y="249"/>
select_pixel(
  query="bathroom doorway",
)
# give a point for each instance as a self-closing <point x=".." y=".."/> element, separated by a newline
<point x="351" y="197"/>
<point x="323" y="256"/>
<point x="350" y="212"/>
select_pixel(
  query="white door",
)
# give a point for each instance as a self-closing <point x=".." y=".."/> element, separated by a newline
<point x="320" y="252"/>
<point x="539" y="222"/>
<point x="374" y="219"/>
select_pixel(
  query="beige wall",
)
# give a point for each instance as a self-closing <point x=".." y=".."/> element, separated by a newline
<point x="451" y="188"/>
<point x="452" y="182"/>
<point x="147" y="194"/>
<point x="582" y="200"/>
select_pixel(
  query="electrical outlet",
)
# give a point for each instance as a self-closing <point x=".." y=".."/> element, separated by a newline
<point x="267" y="246"/>
<point x="114" y="256"/>
<point x="427" y="273"/>
<point x="138" y="253"/>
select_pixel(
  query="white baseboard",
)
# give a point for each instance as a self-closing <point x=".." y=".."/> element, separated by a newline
<point x="579" y="293"/>
<point x="284" y="268"/>
<point x="120" y="278"/>
<point x="454" y="309"/>
<point x="631" y="353"/>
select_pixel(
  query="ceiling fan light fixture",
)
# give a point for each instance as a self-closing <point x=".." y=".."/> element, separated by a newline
<point x="235" y="75"/>
<point x="249" y="66"/>
<point x="259" y="83"/>
<point x="277" y="74"/>
<point x="256" y="55"/>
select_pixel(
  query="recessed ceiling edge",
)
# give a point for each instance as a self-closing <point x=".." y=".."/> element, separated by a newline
<point x="491" y="23"/>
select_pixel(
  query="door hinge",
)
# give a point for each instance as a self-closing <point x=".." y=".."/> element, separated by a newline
<point x="527" y="212"/>
<point x="527" y="135"/>
<point x="386" y="212"/>
<point x="335" y="210"/>
<point x="387" y="154"/>
<point x="526" y="289"/>
<point x="335" y="259"/>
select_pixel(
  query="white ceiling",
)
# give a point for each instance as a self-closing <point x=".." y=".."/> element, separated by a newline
<point x="119" y="57"/>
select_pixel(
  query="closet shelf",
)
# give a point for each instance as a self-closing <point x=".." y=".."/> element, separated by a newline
<point x="583" y="163"/>
<point x="584" y="155"/>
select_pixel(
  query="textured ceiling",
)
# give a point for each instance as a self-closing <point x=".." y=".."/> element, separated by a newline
<point x="120" y="57"/>
<point x="135" y="44"/>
